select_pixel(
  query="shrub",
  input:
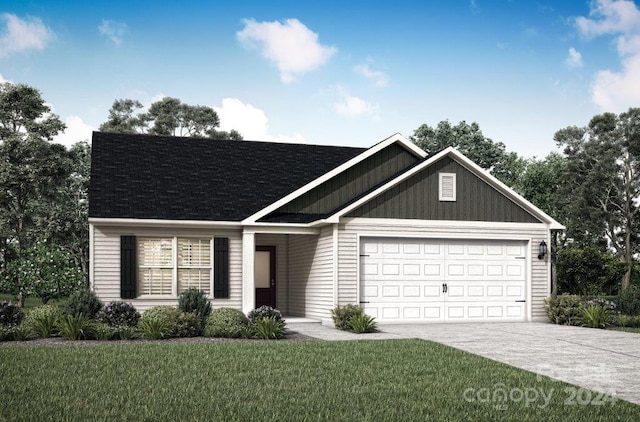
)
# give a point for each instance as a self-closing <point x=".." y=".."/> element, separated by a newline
<point x="168" y="316"/>
<point x="6" y="332"/>
<point x="42" y="320"/>
<point x="363" y="323"/>
<point x="76" y="327"/>
<point x="195" y="301"/>
<point x="609" y="305"/>
<point x="227" y="322"/>
<point x="588" y="271"/>
<point x="188" y="325"/>
<point x="10" y="314"/>
<point x="21" y="333"/>
<point x="83" y="302"/>
<point x="264" y="312"/>
<point x="124" y="332"/>
<point x="342" y="315"/>
<point x="594" y="316"/>
<point x="622" y="320"/>
<point x="155" y="328"/>
<point x="45" y="271"/>
<point x="118" y="314"/>
<point x="564" y="310"/>
<point x="629" y="301"/>
<point x="104" y="331"/>
<point x="268" y="328"/>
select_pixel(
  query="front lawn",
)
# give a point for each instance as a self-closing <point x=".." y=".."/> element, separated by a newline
<point x="360" y="380"/>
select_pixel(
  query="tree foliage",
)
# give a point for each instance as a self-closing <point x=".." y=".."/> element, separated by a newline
<point x="588" y="271"/>
<point x="469" y="140"/>
<point x="602" y="180"/>
<point x="42" y="196"/>
<point x="168" y="117"/>
<point x="540" y="181"/>
<point x="43" y="271"/>
<point x="24" y="114"/>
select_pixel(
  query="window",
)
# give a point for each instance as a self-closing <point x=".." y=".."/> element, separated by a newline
<point x="447" y="188"/>
<point x="194" y="264"/>
<point x="155" y="266"/>
<point x="170" y="265"/>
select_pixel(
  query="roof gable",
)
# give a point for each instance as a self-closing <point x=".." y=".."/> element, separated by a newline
<point x="417" y="197"/>
<point x="509" y="194"/>
<point x="342" y="188"/>
<point x="172" y="178"/>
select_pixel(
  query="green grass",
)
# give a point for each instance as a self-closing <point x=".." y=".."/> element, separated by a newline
<point x="391" y="380"/>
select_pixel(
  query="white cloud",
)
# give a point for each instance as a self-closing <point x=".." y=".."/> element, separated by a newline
<point x="615" y="91"/>
<point x="609" y="17"/>
<point x="113" y="30"/>
<point x="23" y="35"/>
<point x="291" y="46"/>
<point x="250" y="121"/>
<point x="352" y="106"/>
<point x="3" y="80"/>
<point x="377" y="77"/>
<point x="574" y="59"/>
<point x="77" y="130"/>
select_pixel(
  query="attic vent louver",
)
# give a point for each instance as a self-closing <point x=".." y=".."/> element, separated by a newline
<point x="447" y="186"/>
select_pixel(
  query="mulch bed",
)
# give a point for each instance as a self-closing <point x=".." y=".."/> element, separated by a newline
<point x="58" y="341"/>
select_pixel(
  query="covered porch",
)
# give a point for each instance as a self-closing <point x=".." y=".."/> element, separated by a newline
<point x="293" y="269"/>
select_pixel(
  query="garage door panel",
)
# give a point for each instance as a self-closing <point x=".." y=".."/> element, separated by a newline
<point x="402" y="279"/>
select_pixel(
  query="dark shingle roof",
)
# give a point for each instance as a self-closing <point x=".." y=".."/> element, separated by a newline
<point x="164" y="177"/>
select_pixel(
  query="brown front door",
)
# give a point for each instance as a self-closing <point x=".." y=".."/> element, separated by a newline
<point x="265" y="276"/>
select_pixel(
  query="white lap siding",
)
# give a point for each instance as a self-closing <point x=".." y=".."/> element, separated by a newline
<point x="537" y="283"/>
<point x="311" y="274"/>
<point x="106" y="264"/>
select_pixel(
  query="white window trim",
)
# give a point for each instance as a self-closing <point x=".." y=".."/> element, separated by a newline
<point x="174" y="267"/>
<point x="441" y="196"/>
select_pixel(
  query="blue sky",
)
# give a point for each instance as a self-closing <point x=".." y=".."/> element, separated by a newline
<point x="333" y="72"/>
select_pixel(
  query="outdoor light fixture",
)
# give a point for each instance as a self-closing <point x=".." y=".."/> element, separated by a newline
<point x="542" y="250"/>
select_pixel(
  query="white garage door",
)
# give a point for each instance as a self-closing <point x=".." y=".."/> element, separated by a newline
<point x="443" y="280"/>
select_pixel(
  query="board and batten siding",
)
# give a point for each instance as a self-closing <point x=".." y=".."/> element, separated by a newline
<point x="281" y="243"/>
<point x="417" y="198"/>
<point x="106" y="264"/>
<point x="538" y="284"/>
<point x="311" y="274"/>
<point x="351" y="183"/>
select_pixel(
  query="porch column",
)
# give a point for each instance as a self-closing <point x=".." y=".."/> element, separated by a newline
<point x="248" y="262"/>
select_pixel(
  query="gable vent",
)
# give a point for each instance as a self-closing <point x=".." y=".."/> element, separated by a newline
<point x="447" y="182"/>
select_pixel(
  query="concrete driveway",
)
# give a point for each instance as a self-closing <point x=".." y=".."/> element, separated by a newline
<point x="600" y="360"/>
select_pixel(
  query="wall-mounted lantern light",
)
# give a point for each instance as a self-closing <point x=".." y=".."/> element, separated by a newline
<point x="542" y="250"/>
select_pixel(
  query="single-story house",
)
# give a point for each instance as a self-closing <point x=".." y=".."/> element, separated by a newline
<point x="408" y="235"/>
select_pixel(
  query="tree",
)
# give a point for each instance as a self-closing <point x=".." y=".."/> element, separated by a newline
<point x="24" y="114"/>
<point x="541" y="181"/>
<point x="603" y="181"/>
<point x="32" y="171"/>
<point x="64" y="222"/>
<point x="123" y="118"/>
<point x="30" y="167"/>
<point x="167" y="117"/>
<point x="470" y="141"/>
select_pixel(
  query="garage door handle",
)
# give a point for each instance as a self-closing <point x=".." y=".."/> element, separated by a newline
<point x="364" y="302"/>
<point x="444" y="287"/>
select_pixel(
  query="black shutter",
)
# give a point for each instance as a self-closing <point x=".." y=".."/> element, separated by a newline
<point x="220" y="267"/>
<point x="128" y="267"/>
